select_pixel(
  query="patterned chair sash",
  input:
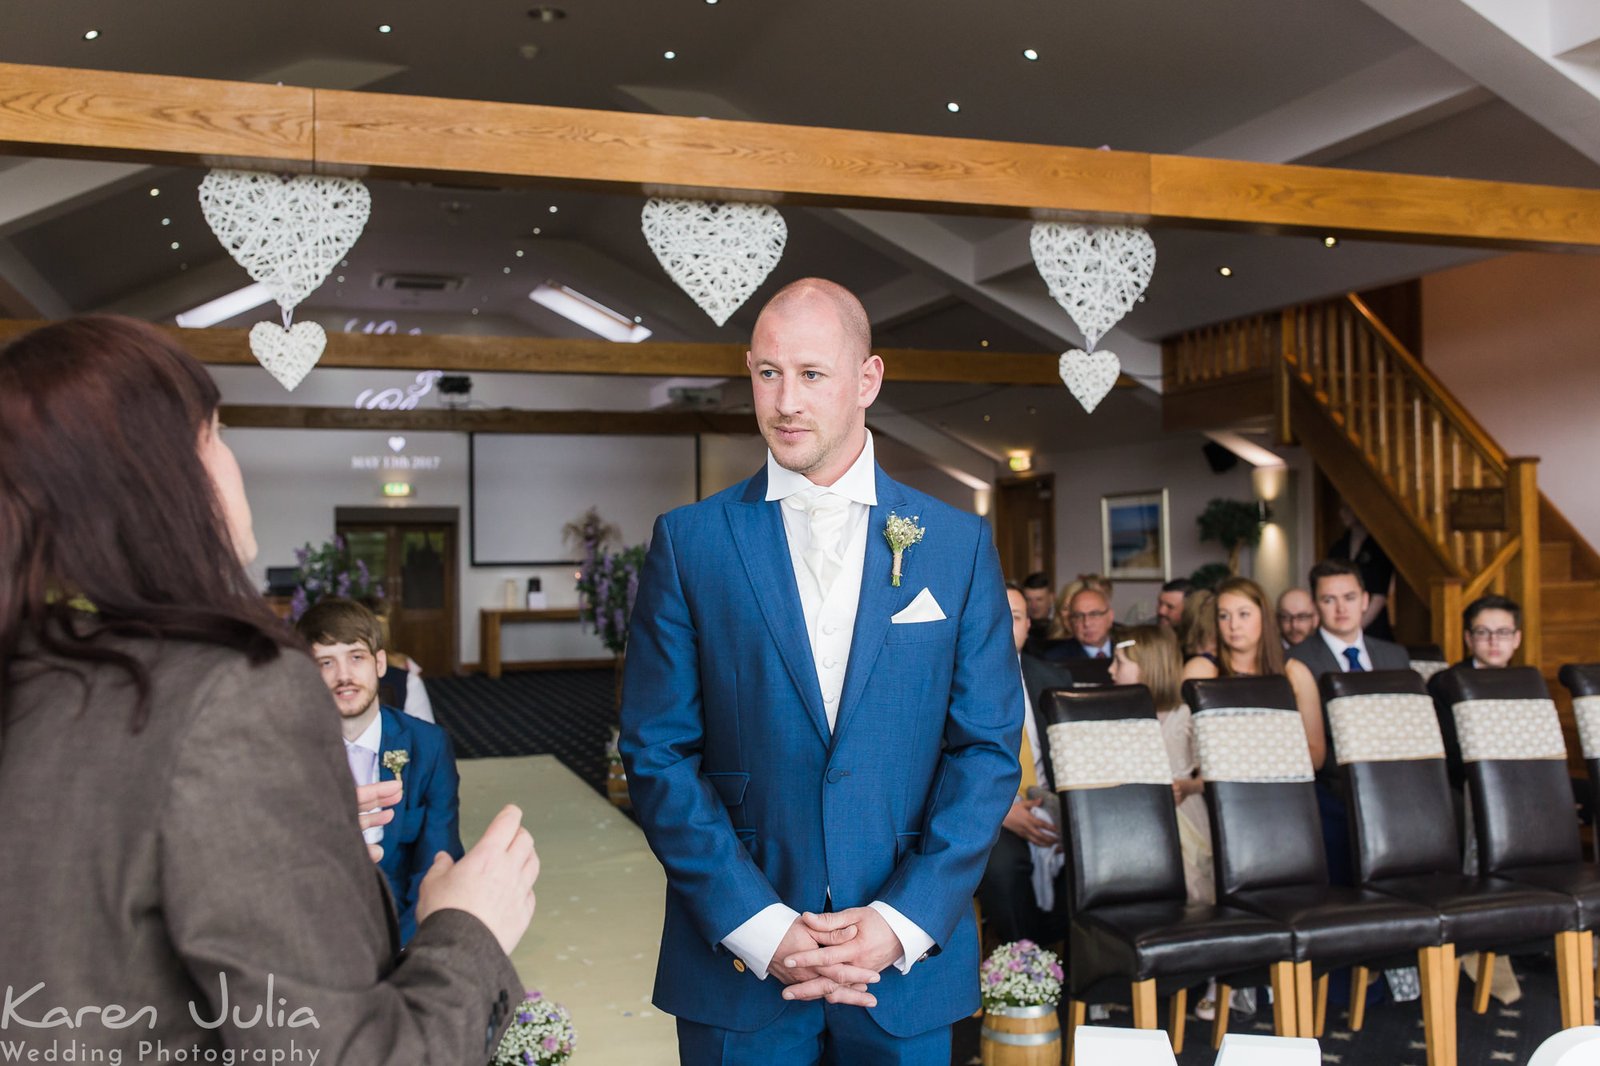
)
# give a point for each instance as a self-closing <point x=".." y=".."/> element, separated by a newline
<point x="1428" y="667"/>
<point x="1252" y="745"/>
<point x="1103" y="754"/>
<point x="1509" y="729"/>
<point x="1387" y="727"/>
<point x="1586" y="709"/>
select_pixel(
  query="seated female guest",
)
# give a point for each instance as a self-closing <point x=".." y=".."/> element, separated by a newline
<point x="1199" y="627"/>
<point x="1149" y="657"/>
<point x="178" y="832"/>
<point x="1246" y="647"/>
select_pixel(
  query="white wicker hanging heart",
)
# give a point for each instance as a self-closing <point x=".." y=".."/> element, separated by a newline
<point x="1089" y="375"/>
<point x="287" y="232"/>
<point x="1096" y="272"/>
<point x="717" y="253"/>
<point x="288" y="354"/>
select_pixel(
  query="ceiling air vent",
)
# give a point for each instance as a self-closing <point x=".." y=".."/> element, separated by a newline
<point x="421" y="282"/>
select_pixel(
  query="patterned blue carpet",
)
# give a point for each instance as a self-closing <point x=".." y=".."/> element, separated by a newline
<point x="569" y="714"/>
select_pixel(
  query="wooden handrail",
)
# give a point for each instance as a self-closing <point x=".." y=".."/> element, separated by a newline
<point x="1430" y="384"/>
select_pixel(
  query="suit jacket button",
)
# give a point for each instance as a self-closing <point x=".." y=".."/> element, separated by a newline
<point x="738" y="964"/>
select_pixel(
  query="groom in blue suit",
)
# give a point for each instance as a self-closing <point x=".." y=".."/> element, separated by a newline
<point x="820" y="732"/>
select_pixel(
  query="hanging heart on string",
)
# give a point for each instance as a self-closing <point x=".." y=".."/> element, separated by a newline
<point x="1089" y="375"/>
<point x="717" y="253"/>
<point x="1097" y="273"/>
<point x="288" y="354"/>
<point x="287" y="232"/>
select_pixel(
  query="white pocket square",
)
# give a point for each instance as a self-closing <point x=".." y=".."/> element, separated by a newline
<point x="922" y="609"/>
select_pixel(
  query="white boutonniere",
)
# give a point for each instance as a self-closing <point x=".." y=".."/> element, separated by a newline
<point x="901" y="533"/>
<point x="395" y="761"/>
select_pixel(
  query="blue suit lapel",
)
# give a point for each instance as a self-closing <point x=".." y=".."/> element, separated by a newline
<point x="758" y="532"/>
<point x="396" y="736"/>
<point x="879" y="599"/>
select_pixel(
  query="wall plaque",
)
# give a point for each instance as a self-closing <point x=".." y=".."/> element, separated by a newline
<point x="1479" y="510"/>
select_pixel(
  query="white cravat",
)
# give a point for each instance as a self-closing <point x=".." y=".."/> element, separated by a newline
<point x="827" y="533"/>
<point x="827" y="515"/>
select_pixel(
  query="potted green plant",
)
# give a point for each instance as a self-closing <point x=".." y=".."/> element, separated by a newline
<point x="1235" y="524"/>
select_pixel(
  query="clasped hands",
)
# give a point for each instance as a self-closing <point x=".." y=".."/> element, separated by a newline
<point x="835" y="956"/>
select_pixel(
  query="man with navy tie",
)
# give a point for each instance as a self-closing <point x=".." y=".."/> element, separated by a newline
<point x="820" y="725"/>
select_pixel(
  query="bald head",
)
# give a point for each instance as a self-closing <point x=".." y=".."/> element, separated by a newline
<point x="813" y="296"/>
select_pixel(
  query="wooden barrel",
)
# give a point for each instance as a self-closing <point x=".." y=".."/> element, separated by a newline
<point x="1021" y="1036"/>
<point x="617" y="788"/>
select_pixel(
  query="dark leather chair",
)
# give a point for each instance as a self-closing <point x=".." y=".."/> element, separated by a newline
<point x="1132" y="927"/>
<point x="1266" y="837"/>
<point x="1086" y="672"/>
<point x="1526" y="822"/>
<point x="1427" y="659"/>
<point x="1583" y="681"/>
<point x="1405" y="844"/>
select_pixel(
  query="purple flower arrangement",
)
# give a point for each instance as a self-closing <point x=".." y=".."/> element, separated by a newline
<point x="608" y="582"/>
<point x="541" y="1034"/>
<point x="1020" y="974"/>
<point x="326" y="571"/>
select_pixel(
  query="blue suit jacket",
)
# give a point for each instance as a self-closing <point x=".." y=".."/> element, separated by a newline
<point x="427" y="819"/>
<point x="748" y="801"/>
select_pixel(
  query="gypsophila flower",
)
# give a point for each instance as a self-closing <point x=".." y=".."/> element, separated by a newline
<point x="901" y="533"/>
<point x="542" y="1035"/>
<point x="1020" y="974"/>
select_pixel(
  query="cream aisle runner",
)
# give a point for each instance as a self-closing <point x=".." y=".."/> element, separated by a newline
<point x="593" y="942"/>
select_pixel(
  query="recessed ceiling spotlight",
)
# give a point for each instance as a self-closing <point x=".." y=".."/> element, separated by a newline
<point x="546" y="13"/>
<point x="166" y="222"/>
<point x="1330" y="242"/>
<point x="1226" y="272"/>
<point x="385" y="28"/>
<point x="474" y="310"/>
<point x="952" y="107"/>
<point x="638" y="318"/>
<point x="340" y="279"/>
<point x="505" y="270"/>
<point x="983" y="344"/>
<point x="988" y="418"/>
<point x="155" y="192"/>
<point x="174" y="246"/>
<point x="669" y="54"/>
<point x="554" y="209"/>
<point x="536" y="231"/>
<point x="519" y="253"/>
<point x="90" y="35"/>
<point x="1033" y="410"/>
<point x="711" y="1"/>
<point x="1030" y="55"/>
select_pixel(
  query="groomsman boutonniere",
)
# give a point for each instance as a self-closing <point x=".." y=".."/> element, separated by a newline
<point x="395" y="761"/>
<point x="901" y="533"/>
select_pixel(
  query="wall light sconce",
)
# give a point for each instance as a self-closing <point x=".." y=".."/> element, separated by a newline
<point x="1020" y="462"/>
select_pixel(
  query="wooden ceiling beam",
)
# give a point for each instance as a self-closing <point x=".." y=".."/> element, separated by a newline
<point x="113" y="116"/>
<point x="501" y="420"/>
<point x="556" y="355"/>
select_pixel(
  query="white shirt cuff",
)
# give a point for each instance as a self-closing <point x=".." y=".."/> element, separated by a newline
<point x="757" y="940"/>
<point x="914" y="943"/>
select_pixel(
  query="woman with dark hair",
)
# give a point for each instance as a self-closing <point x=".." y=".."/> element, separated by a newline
<point x="178" y="833"/>
<point x="1248" y="647"/>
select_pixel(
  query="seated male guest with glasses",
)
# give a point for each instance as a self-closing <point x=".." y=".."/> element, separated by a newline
<point x="1090" y="618"/>
<point x="1491" y="630"/>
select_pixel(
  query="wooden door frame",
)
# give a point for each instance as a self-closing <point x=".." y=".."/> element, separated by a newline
<point x="422" y="516"/>
<point x="1001" y="532"/>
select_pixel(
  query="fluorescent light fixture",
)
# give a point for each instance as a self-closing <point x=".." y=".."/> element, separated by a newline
<point x="592" y="315"/>
<point x="225" y="307"/>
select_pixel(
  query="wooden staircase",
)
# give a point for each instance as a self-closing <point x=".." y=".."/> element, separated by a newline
<point x="1405" y="455"/>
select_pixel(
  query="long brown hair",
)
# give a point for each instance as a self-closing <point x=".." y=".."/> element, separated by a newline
<point x="1269" y="652"/>
<point x="1154" y="650"/>
<point x="104" y="499"/>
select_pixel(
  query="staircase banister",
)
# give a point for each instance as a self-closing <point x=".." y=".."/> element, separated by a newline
<point x="1452" y="408"/>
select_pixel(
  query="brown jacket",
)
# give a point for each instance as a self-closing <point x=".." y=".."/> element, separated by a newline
<point x="218" y="845"/>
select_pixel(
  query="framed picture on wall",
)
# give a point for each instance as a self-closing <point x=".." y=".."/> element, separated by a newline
<point x="1133" y="529"/>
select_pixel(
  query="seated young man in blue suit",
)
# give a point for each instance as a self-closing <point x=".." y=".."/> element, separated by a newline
<point x="821" y="716"/>
<point x="383" y="744"/>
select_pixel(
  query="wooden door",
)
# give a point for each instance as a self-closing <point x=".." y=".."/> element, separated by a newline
<point x="1025" y="525"/>
<point x="415" y="557"/>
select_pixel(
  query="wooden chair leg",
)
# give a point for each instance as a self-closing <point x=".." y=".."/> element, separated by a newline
<point x="1322" y="1005"/>
<point x="1438" y="1013"/>
<point x="1177" y="1011"/>
<point x="1480" y="994"/>
<point x="1304" y="993"/>
<point x="1586" y="994"/>
<point x="1574" y="951"/>
<point x="1144" y="1004"/>
<point x="1219" y="1025"/>
<point x="1359" y="976"/>
<point x="1284" y="1000"/>
<point x="1077" y="1013"/>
